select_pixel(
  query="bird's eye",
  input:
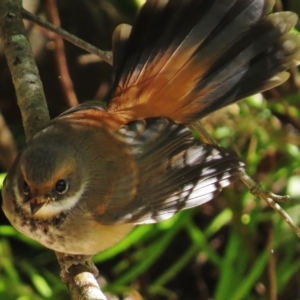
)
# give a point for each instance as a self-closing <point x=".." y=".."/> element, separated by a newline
<point x="61" y="186"/>
<point x="25" y="188"/>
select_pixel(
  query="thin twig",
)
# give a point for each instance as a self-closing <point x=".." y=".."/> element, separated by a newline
<point x="254" y="188"/>
<point x="86" y="59"/>
<point x="8" y="149"/>
<point x="104" y="55"/>
<point x="271" y="200"/>
<point x="60" y="55"/>
<point x="278" y="6"/>
<point x="206" y="137"/>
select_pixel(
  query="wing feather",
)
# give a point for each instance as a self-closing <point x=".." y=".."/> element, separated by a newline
<point x="175" y="171"/>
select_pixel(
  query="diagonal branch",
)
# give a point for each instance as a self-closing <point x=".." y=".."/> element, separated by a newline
<point x="254" y="188"/>
<point x="104" y="55"/>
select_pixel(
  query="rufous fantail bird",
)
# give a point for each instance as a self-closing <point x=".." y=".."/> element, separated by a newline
<point x="93" y="173"/>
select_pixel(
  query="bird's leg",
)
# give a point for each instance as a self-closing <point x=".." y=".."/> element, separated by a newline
<point x="68" y="262"/>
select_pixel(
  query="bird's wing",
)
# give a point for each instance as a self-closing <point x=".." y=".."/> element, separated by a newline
<point x="175" y="172"/>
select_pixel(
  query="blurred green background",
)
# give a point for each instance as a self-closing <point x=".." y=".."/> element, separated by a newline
<point x="233" y="248"/>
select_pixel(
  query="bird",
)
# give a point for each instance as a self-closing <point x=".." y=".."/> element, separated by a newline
<point x="96" y="171"/>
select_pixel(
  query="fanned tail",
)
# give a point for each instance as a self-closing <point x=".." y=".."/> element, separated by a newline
<point x="186" y="58"/>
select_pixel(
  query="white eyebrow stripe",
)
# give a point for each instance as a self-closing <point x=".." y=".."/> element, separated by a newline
<point x="54" y="208"/>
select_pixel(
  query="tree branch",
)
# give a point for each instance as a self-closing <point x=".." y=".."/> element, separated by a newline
<point x="31" y="100"/>
<point x="28" y="86"/>
<point x="79" y="274"/>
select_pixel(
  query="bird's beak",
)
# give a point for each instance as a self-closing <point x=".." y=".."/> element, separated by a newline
<point x="35" y="206"/>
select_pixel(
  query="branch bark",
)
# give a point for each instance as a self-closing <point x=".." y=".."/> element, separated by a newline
<point x="31" y="100"/>
<point x="79" y="274"/>
<point x="28" y="86"/>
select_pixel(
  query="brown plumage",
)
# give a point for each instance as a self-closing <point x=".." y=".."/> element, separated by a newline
<point x="93" y="173"/>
